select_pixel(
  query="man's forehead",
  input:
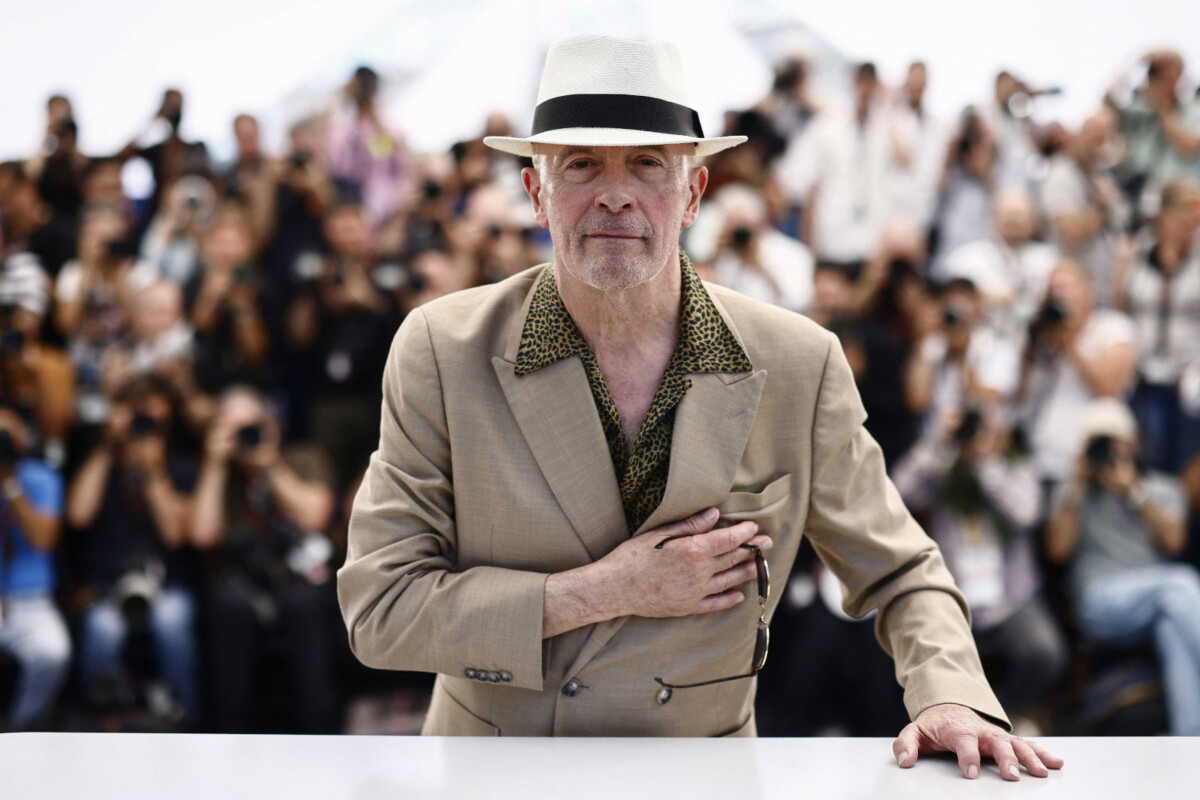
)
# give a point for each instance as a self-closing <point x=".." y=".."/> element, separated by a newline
<point x="558" y="152"/>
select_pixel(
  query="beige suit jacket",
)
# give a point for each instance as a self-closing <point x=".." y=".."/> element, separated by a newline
<point x="485" y="483"/>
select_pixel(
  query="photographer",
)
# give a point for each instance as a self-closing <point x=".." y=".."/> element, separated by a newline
<point x="130" y="503"/>
<point x="1162" y="294"/>
<point x="958" y="361"/>
<point x="263" y="511"/>
<point x="1117" y="530"/>
<point x="224" y="302"/>
<point x="754" y="258"/>
<point x="1009" y="267"/>
<point x="983" y="499"/>
<point x="1073" y="354"/>
<point x="341" y="322"/>
<point x="1083" y="204"/>
<point x="366" y="155"/>
<point x="36" y="380"/>
<point x="32" y="630"/>
<point x="173" y="241"/>
<point x="94" y="301"/>
<point x="963" y="213"/>
<point x="1161" y="131"/>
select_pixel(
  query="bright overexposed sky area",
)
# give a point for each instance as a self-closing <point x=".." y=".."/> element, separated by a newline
<point x="114" y="58"/>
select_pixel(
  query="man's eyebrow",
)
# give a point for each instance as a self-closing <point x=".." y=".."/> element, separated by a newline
<point x="562" y="155"/>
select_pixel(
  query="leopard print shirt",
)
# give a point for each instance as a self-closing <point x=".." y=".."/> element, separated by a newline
<point x="705" y="344"/>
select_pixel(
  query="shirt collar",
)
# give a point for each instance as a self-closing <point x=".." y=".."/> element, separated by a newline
<point x="705" y="343"/>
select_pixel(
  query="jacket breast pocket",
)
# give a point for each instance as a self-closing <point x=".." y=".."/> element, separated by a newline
<point x="745" y="504"/>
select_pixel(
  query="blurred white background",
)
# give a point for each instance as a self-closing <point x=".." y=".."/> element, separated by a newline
<point x="451" y="61"/>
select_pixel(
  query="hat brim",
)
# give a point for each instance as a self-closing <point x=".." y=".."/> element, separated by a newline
<point x="608" y="137"/>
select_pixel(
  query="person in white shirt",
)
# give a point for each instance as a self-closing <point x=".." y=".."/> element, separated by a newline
<point x="1009" y="268"/>
<point x="961" y="364"/>
<point x="1161" y="292"/>
<point x="1075" y="354"/>
<point x="1083" y="205"/>
<point x="754" y="258"/>
<point x="919" y="144"/>
<point x="838" y="171"/>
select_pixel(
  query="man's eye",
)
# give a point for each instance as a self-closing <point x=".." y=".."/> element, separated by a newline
<point x="582" y="163"/>
<point x="648" y="162"/>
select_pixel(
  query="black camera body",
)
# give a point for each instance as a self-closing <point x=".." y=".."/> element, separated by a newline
<point x="8" y="449"/>
<point x="249" y="436"/>
<point x="968" y="429"/>
<point x="142" y="425"/>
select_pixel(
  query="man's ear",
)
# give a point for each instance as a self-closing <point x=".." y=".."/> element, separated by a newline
<point x="696" y="186"/>
<point x="533" y="187"/>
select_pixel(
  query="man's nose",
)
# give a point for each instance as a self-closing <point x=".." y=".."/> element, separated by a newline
<point x="614" y="191"/>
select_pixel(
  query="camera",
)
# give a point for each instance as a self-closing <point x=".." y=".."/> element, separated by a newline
<point x="142" y="425"/>
<point x="12" y="342"/>
<point x="741" y="237"/>
<point x="249" y="436"/>
<point x="136" y="590"/>
<point x="8" y="449"/>
<point x="1053" y="314"/>
<point x="952" y="317"/>
<point x="431" y="189"/>
<point x="299" y="160"/>
<point x="968" y="429"/>
<point x="120" y="248"/>
<point x="1100" y="452"/>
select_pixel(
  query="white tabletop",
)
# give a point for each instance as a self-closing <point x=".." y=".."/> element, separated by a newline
<point x="49" y="766"/>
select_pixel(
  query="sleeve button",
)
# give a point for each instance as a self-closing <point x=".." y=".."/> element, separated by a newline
<point x="506" y="676"/>
<point x="470" y="673"/>
<point x="494" y="677"/>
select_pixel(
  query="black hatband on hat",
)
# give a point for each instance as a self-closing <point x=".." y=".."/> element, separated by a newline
<point x="633" y="112"/>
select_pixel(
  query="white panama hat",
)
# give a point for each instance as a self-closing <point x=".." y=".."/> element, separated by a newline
<point x="599" y="90"/>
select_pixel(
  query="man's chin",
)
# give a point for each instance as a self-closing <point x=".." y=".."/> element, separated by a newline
<point x="614" y="274"/>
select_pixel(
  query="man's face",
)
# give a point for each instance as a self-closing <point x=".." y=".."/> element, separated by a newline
<point x="615" y="213"/>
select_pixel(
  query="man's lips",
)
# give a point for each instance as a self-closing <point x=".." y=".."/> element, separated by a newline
<point x="614" y="235"/>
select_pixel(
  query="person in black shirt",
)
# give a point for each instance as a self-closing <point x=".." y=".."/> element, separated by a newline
<point x="130" y="503"/>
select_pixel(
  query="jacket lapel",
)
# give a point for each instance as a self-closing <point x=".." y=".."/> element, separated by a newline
<point x="712" y="425"/>
<point x="558" y="418"/>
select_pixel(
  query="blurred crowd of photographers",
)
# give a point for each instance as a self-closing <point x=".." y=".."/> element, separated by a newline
<point x="190" y="390"/>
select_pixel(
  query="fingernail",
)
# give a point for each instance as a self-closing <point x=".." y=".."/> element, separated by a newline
<point x="1012" y="772"/>
<point x="900" y="758"/>
<point x="972" y="772"/>
<point x="711" y="514"/>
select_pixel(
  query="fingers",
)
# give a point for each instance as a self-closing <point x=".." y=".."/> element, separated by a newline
<point x="998" y="747"/>
<point x="724" y="540"/>
<point x="906" y="746"/>
<point x="696" y="523"/>
<point x="1051" y="761"/>
<point x="1029" y="758"/>
<point x="966" y="747"/>
<point x="719" y="602"/>
<point x="734" y="576"/>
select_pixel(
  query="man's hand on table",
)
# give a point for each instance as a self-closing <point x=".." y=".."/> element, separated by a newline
<point x="953" y="728"/>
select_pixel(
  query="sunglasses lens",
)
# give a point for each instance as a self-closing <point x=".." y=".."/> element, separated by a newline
<point x="764" y="578"/>
<point x="760" y="647"/>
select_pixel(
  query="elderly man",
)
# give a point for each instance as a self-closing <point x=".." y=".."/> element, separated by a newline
<point x="530" y="427"/>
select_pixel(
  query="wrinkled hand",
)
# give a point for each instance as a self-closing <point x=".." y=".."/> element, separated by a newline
<point x="954" y="728"/>
<point x="695" y="574"/>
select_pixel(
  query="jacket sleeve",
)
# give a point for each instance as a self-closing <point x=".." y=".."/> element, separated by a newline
<point x="404" y="604"/>
<point x="860" y="528"/>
